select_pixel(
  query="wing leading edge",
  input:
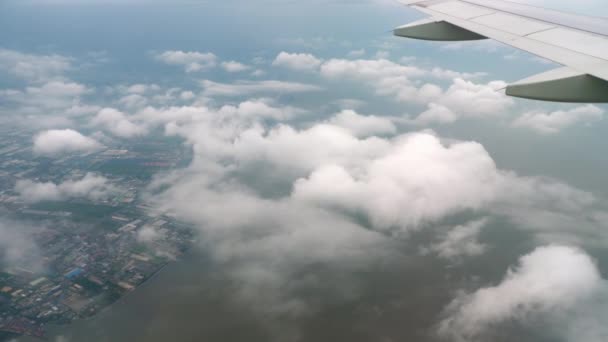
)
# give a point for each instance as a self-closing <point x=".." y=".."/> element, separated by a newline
<point x="579" y="43"/>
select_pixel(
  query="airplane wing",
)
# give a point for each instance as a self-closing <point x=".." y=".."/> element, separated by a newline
<point x="579" y="43"/>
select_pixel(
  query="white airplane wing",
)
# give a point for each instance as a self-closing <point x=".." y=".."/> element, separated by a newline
<point x="579" y="43"/>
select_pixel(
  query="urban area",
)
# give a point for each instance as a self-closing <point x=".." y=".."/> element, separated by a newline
<point x="89" y="251"/>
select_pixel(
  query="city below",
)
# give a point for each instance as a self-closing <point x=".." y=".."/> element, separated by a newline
<point x="89" y="251"/>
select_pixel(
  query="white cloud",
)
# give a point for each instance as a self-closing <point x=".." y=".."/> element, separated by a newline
<point x="148" y="234"/>
<point x="90" y="186"/>
<point x="476" y="100"/>
<point x="451" y="74"/>
<point x="416" y="180"/>
<point x="405" y="83"/>
<point x="368" y="70"/>
<point x="118" y="123"/>
<point x="50" y="96"/>
<point x="141" y="88"/>
<point x="191" y="61"/>
<point x="461" y="241"/>
<point x="297" y="61"/>
<point x="299" y="190"/>
<point x="58" y="141"/>
<point x="550" y="280"/>
<point x="187" y="95"/>
<point x="18" y="247"/>
<point x="232" y="66"/>
<point x="241" y="88"/>
<point x="34" y="68"/>
<point x="261" y="109"/>
<point x="361" y="125"/>
<point x="554" y="122"/>
<point x="436" y="113"/>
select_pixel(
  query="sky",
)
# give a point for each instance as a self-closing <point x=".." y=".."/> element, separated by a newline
<point x="320" y="140"/>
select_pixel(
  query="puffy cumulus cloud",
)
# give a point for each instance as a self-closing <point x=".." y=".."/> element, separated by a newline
<point x="328" y="195"/>
<point x="475" y="100"/>
<point x="551" y="280"/>
<point x="192" y="61"/>
<point x="460" y="241"/>
<point x="34" y="68"/>
<point x="465" y="99"/>
<point x="241" y="88"/>
<point x="554" y="122"/>
<point x="118" y="123"/>
<point x="91" y="186"/>
<point x="361" y="125"/>
<point x="232" y="66"/>
<point x="297" y="61"/>
<point x="398" y="182"/>
<point x="416" y="179"/>
<point x="58" y="141"/>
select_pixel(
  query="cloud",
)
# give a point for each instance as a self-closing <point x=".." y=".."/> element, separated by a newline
<point x="241" y="88"/>
<point x="329" y="195"/>
<point x="415" y="180"/>
<point x="297" y="61"/>
<point x="190" y="117"/>
<point x="551" y="279"/>
<point x="436" y="113"/>
<point x="361" y="125"/>
<point x="141" y="88"/>
<point x="461" y="241"/>
<point x="34" y="68"/>
<point x="262" y="108"/>
<point x="554" y="122"/>
<point x="191" y="61"/>
<point x="357" y="53"/>
<point x="404" y="83"/>
<point x="50" y="96"/>
<point x="232" y="66"/>
<point x="451" y="74"/>
<point x="475" y="100"/>
<point x="118" y="123"/>
<point x="58" y="141"/>
<point x="149" y="234"/>
<point x="91" y="186"/>
<point x="18" y="247"/>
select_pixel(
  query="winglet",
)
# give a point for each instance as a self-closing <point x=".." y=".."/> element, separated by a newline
<point x="561" y="85"/>
<point x="434" y="29"/>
